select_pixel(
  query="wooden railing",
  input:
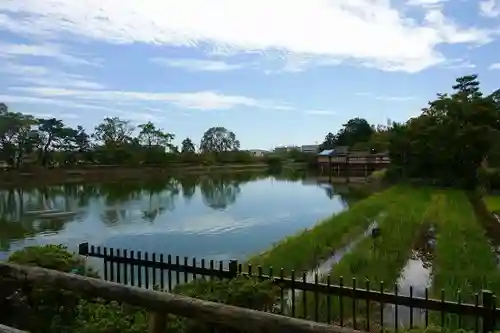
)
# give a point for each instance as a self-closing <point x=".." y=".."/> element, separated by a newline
<point x="159" y="304"/>
<point x="7" y="329"/>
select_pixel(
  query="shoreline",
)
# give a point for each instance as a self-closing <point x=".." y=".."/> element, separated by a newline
<point x="40" y="176"/>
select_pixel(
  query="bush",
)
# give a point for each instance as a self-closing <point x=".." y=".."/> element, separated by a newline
<point x="241" y="291"/>
<point x="44" y="308"/>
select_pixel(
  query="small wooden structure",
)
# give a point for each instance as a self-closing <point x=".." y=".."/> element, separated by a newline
<point x="338" y="160"/>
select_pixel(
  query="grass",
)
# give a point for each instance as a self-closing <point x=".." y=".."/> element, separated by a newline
<point x="379" y="259"/>
<point x="307" y="249"/>
<point x="492" y="202"/>
<point x="464" y="259"/>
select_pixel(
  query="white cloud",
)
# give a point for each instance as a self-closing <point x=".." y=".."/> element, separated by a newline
<point x="43" y="76"/>
<point x="197" y="65"/>
<point x="387" y="98"/>
<point x="489" y="8"/>
<point x="320" y="112"/>
<point x="495" y="66"/>
<point x="204" y="100"/>
<point x="44" y="50"/>
<point x="371" y="32"/>
<point x="426" y="3"/>
<point x="459" y="64"/>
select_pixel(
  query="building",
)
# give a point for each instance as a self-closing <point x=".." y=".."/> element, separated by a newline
<point x="285" y="149"/>
<point x="341" y="158"/>
<point x="258" y="152"/>
<point x="310" y="149"/>
<point x="3" y="108"/>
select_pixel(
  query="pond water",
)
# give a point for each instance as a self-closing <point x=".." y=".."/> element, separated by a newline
<point x="220" y="217"/>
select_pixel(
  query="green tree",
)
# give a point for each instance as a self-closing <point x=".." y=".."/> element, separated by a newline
<point x="218" y="140"/>
<point x="187" y="146"/>
<point x="354" y="131"/>
<point x="17" y="136"/>
<point x="451" y="138"/>
<point x="329" y="142"/>
<point x="113" y="131"/>
<point x="151" y="136"/>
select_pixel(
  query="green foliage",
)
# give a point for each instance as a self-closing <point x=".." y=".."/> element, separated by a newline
<point x="109" y="317"/>
<point x="452" y="137"/>
<point x="241" y="291"/>
<point x="399" y="222"/>
<point x="44" y="308"/>
<point x="218" y="140"/>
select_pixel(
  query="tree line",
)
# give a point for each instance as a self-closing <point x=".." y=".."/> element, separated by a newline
<point x="455" y="140"/>
<point x="26" y="139"/>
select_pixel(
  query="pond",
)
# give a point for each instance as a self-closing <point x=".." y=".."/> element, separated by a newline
<point x="220" y="216"/>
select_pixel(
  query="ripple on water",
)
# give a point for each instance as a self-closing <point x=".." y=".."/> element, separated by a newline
<point x="415" y="276"/>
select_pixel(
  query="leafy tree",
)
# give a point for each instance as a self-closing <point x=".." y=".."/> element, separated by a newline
<point x="354" y="131"/>
<point x="187" y="146"/>
<point x="113" y="131"/>
<point x="151" y="136"/>
<point x="218" y="140"/>
<point x="452" y="137"/>
<point x="329" y="142"/>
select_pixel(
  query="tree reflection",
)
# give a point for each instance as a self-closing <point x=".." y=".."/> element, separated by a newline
<point x="219" y="193"/>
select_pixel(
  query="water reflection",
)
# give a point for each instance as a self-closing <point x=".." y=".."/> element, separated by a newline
<point x="195" y="215"/>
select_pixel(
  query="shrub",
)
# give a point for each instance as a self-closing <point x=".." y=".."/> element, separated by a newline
<point x="44" y="308"/>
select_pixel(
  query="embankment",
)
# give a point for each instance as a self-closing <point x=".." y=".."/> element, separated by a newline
<point x="464" y="260"/>
<point x="97" y="173"/>
<point x="377" y="259"/>
<point x="306" y="250"/>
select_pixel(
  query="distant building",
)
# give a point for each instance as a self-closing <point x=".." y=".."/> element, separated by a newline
<point x="3" y="108"/>
<point x="258" y="152"/>
<point x="310" y="149"/>
<point x="285" y="149"/>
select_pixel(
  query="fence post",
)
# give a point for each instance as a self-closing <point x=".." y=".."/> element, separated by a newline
<point x="233" y="268"/>
<point x="83" y="249"/>
<point x="488" y="311"/>
<point x="157" y="322"/>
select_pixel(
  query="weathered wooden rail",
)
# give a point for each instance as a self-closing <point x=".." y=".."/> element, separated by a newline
<point x="159" y="304"/>
<point x="7" y="329"/>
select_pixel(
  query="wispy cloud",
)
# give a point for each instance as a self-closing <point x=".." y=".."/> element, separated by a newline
<point x="48" y="77"/>
<point x="386" y="98"/>
<point x="459" y="64"/>
<point x="489" y="8"/>
<point x="320" y="112"/>
<point x="204" y="100"/>
<point x="197" y="65"/>
<point x="495" y="65"/>
<point x="426" y="3"/>
<point x="54" y="51"/>
<point x="380" y="34"/>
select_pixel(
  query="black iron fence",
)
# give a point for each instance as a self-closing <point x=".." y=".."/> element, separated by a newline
<point x="303" y="295"/>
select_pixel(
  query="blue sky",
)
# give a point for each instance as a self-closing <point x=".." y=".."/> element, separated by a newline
<point x="273" y="71"/>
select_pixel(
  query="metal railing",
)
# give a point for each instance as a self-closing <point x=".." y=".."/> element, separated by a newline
<point x="302" y="295"/>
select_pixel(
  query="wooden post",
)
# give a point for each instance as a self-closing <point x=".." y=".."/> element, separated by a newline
<point x="489" y="311"/>
<point x="157" y="322"/>
<point x="233" y="268"/>
<point x="83" y="249"/>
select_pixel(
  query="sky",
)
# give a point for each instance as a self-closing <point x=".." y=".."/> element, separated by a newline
<point x="275" y="72"/>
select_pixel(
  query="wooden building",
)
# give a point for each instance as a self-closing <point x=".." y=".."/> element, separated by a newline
<point x="342" y="160"/>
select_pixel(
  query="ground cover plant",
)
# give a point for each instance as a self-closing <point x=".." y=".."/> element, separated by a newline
<point x="464" y="260"/>
<point x="374" y="259"/>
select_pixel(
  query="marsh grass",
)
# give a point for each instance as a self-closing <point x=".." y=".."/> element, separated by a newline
<point x="464" y="260"/>
<point x="492" y="202"/>
<point x="310" y="247"/>
<point x="374" y="260"/>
